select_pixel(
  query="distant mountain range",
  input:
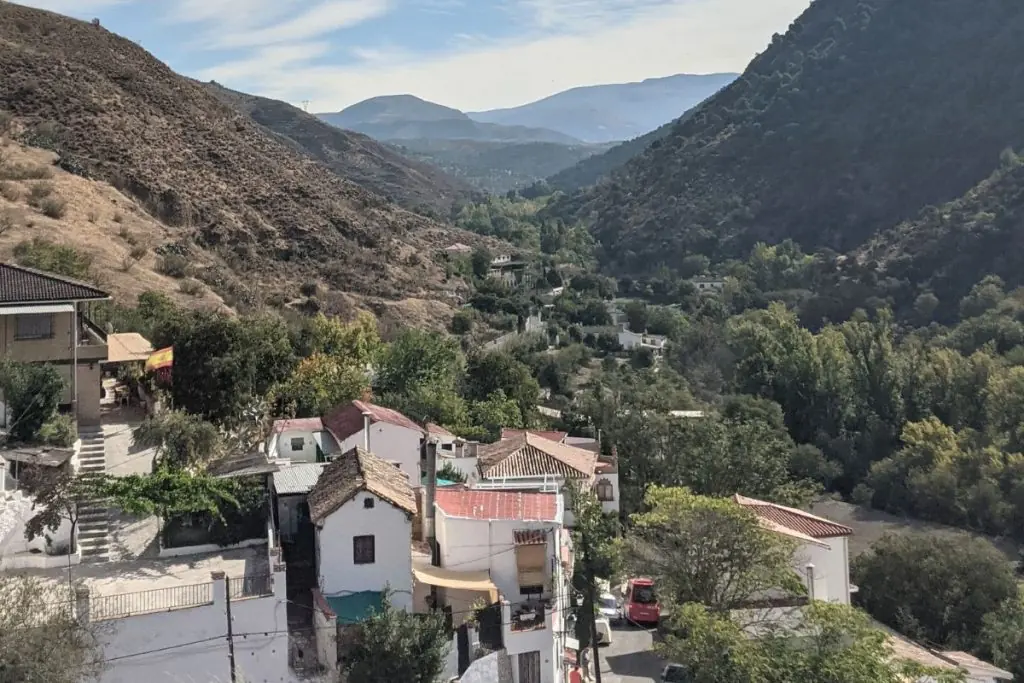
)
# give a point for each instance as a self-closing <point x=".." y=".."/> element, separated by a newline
<point x="608" y="113"/>
<point x="406" y="117"/>
<point x="504" y="149"/>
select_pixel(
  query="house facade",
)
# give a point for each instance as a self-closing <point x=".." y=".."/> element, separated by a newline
<point x="362" y="508"/>
<point x="630" y="340"/>
<point x="822" y="555"/>
<point x="387" y="433"/>
<point x="301" y="440"/>
<point x="518" y="539"/>
<point x="44" y="319"/>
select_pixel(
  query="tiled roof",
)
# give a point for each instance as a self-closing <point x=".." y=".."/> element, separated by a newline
<point x="530" y="536"/>
<point x="298" y="478"/>
<point x="355" y="471"/>
<point x="528" y="455"/>
<point x="793" y="519"/>
<point x="585" y="442"/>
<point x="976" y="666"/>
<point x="557" y="437"/>
<point x="438" y="430"/>
<point x="302" y="424"/>
<point x="26" y="285"/>
<point x="347" y="419"/>
<point x="485" y="504"/>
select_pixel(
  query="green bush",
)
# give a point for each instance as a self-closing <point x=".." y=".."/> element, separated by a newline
<point x="174" y="265"/>
<point x="59" y="430"/>
<point x="462" y="323"/>
<point x="55" y="258"/>
<point x="32" y="393"/>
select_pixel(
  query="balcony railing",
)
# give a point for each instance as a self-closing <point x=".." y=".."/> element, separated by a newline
<point x="529" y="616"/>
<point x="149" y="602"/>
<point x="91" y="334"/>
<point x="251" y="587"/>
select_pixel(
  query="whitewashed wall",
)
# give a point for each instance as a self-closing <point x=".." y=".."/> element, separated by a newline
<point x="261" y="642"/>
<point x="392" y="529"/>
<point x="831" y="569"/>
<point x="393" y="443"/>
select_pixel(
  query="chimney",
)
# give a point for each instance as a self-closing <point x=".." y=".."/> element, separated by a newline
<point x="472" y="446"/>
<point x="366" y="430"/>
<point x="429" y="531"/>
<point x="810" y="581"/>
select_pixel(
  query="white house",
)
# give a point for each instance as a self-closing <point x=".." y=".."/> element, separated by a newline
<point x="706" y="285"/>
<point x="630" y="340"/>
<point x="301" y="440"/>
<point x="363" y="507"/>
<point x="516" y="537"/>
<point x="387" y="433"/>
<point x="822" y="556"/>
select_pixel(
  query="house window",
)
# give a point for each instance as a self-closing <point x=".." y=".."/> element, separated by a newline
<point x="605" y="491"/>
<point x="298" y="443"/>
<point x="368" y="504"/>
<point x="363" y="551"/>
<point x="531" y="560"/>
<point x="34" y="326"/>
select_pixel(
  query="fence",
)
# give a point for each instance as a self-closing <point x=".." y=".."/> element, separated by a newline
<point x="250" y="586"/>
<point x="148" y="602"/>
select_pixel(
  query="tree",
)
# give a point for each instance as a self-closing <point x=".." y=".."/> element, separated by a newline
<point x="167" y="493"/>
<point x="487" y="373"/>
<point x="836" y="643"/>
<point x="1003" y="637"/>
<point x="394" y="645"/>
<point x="636" y="315"/>
<point x="57" y="495"/>
<point x="496" y="412"/>
<point x="709" y="551"/>
<point x="934" y="589"/>
<point x="354" y="344"/>
<point x="481" y="262"/>
<point x="449" y="472"/>
<point x="319" y="383"/>
<point x="31" y="393"/>
<point x="182" y="440"/>
<point x="41" y="640"/>
<point x="417" y="358"/>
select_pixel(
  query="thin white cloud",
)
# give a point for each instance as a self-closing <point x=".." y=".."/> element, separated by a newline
<point x="315" y="21"/>
<point x="693" y="36"/>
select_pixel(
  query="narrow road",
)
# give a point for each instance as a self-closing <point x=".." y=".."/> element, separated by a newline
<point x="629" y="659"/>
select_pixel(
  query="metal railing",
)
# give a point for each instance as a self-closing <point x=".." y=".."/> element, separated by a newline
<point x="149" y="602"/>
<point x="251" y="586"/>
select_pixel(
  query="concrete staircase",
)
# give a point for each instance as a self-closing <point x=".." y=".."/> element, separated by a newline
<point x="94" y="517"/>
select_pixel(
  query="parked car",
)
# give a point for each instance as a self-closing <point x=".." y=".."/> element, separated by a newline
<point x="674" y="673"/>
<point x="604" y="630"/>
<point x="610" y="608"/>
<point x="641" y="602"/>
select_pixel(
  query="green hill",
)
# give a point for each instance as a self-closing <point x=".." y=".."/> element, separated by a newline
<point x="862" y="114"/>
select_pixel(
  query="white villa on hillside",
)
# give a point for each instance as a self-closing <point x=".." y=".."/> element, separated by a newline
<point x="630" y="340"/>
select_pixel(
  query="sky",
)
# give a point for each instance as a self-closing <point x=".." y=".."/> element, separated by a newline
<point x="467" y="54"/>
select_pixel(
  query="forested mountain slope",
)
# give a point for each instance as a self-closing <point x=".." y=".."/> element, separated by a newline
<point x="226" y="186"/>
<point x="842" y="128"/>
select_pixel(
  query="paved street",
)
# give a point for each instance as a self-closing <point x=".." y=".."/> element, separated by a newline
<point x="629" y="658"/>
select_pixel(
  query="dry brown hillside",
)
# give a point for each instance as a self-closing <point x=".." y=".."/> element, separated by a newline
<point x="414" y="185"/>
<point x="230" y="192"/>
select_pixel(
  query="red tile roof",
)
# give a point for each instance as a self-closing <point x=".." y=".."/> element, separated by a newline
<point x="529" y="455"/>
<point x="347" y="419"/>
<point x="302" y="424"/>
<point x="438" y="430"/>
<point x="796" y="520"/>
<point x="484" y="504"/>
<point x="557" y="437"/>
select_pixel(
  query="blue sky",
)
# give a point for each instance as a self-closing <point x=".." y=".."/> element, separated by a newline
<point x="469" y="54"/>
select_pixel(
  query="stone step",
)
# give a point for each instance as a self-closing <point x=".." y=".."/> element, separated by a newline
<point x="90" y="534"/>
<point x="93" y="544"/>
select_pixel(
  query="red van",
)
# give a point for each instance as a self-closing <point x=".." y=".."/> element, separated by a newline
<point x="641" y="603"/>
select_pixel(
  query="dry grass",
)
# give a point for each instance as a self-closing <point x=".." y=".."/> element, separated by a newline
<point x="85" y="199"/>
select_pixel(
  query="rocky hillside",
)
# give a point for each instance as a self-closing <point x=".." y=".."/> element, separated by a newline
<point x="231" y="191"/>
<point x="414" y="185"/>
<point x="842" y="128"/>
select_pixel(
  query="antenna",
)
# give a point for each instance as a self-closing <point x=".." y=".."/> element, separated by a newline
<point x="305" y="105"/>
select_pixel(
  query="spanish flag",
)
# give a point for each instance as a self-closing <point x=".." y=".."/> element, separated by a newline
<point x="163" y="358"/>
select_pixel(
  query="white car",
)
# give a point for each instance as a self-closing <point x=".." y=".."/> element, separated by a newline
<point x="608" y="607"/>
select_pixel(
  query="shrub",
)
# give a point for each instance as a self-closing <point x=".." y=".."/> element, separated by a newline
<point x="462" y="322"/>
<point x="25" y="172"/>
<point x="138" y="252"/>
<point x="7" y="221"/>
<point x="10" y="191"/>
<point x="59" y="431"/>
<point x="310" y="288"/>
<point x="54" y="207"/>
<point x="173" y="265"/>
<point x="192" y="287"/>
<point x="92" y="216"/>
<point x="38" y="192"/>
<point x="55" y="258"/>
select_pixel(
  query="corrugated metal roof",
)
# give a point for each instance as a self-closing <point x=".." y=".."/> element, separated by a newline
<point x="297" y="478"/>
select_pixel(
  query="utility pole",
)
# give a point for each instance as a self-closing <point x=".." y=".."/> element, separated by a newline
<point x="231" y="639"/>
<point x="591" y="602"/>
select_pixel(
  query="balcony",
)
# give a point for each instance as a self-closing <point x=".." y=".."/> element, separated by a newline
<point x="529" y="616"/>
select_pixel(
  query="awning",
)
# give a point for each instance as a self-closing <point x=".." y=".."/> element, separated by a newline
<point x="479" y="581"/>
<point x="36" y="309"/>
<point x="127" y="346"/>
